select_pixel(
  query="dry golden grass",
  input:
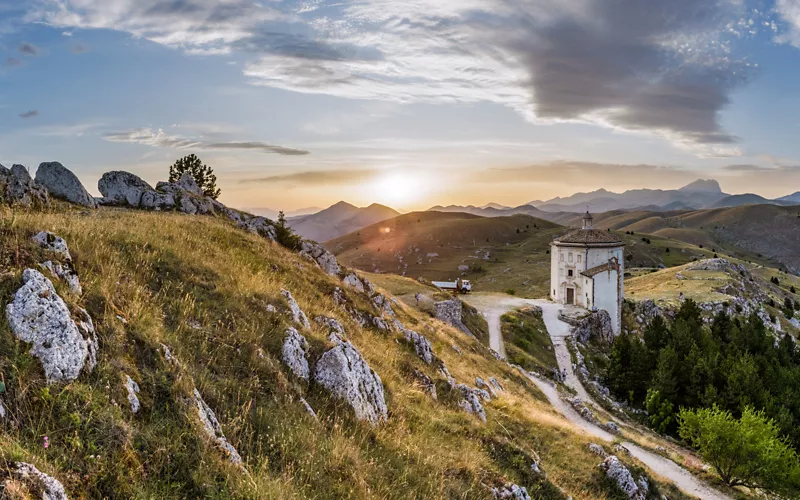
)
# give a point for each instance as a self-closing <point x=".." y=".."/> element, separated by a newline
<point x="201" y="287"/>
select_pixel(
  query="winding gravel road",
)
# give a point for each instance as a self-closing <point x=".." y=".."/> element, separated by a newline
<point x="493" y="306"/>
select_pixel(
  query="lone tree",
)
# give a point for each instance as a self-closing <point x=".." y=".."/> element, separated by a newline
<point x="202" y="174"/>
<point x="746" y="452"/>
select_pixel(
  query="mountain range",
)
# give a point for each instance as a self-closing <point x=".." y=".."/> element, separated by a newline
<point x="339" y="219"/>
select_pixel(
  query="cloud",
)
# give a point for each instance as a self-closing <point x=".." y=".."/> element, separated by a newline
<point x="317" y="177"/>
<point x="28" y="49"/>
<point x="79" y="48"/>
<point x="29" y="114"/>
<point x="789" y="13"/>
<point x="161" y="139"/>
<point x="13" y="61"/>
<point x="663" y="68"/>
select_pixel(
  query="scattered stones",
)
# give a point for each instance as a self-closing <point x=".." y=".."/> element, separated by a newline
<point x="598" y="450"/>
<point x="122" y="188"/>
<point x="46" y="487"/>
<point x="497" y="385"/>
<point x="321" y="256"/>
<point x="383" y="305"/>
<point x="511" y="492"/>
<point x="53" y="243"/>
<point x="293" y="353"/>
<point x="481" y="384"/>
<point x="17" y="188"/>
<point x="63" y="184"/>
<point x="645" y="311"/>
<point x="449" y="311"/>
<point x="612" y="427"/>
<point x="133" y="390"/>
<point x="422" y="345"/>
<point x="39" y="316"/>
<point x="214" y="430"/>
<point x="298" y="316"/>
<point x="426" y="383"/>
<point x="331" y="324"/>
<point x="344" y="372"/>
<point x="582" y="409"/>
<point x="471" y="400"/>
<point x="308" y="408"/>
<point x="66" y="273"/>
<point x="621" y="476"/>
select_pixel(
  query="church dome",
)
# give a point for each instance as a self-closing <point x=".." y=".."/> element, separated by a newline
<point x="588" y="236"/>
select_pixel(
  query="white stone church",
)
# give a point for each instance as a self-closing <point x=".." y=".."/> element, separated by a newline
<point x="586" y="270"/>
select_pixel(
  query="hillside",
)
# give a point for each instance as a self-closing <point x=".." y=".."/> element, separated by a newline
<point x="339" y="219"/>
<point x="497" y="254"/>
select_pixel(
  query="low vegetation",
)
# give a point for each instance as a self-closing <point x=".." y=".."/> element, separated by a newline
<point x="527" y="342"/>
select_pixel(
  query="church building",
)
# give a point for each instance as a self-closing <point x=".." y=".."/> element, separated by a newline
<point x="586" y="270"/>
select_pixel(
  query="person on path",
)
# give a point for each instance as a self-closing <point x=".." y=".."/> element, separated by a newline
<point x="417" y="296"/>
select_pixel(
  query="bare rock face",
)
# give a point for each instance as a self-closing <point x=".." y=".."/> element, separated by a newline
<point x="63" y="184"/>
<point x="133" y="389"/>
<point x="597" y="450"/>
<point x="294" y="352"/>
<point x="596" y="326"/>
<point x="298" y="316"/>
<point x="214" y="430"/>
<point x="123" y="188"/>
<point x="645" y="311"/>
<point x="38" y="315"/>
<point x="45" y="487"/>
<point x="471" y="400"/>
<point x="259" y="226"/>
<point x="344" y="373"/>
<point x="422" y="345"/>
<point x="359" y="284"/>
<point x="331" y="324"/>
<point x="621" y="476"/>
<point x="53" y="243"/>
<point x="17" y="188"/>
<point x="511" y="492"/>
<point x="383" y="305"/>
<point x="66" y="273"/>
<point x="481" y="384"/>
<point x="449" y="311"/>
<point x="321" y="256"/>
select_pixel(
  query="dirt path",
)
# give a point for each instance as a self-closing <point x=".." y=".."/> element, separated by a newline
<point x="492" y="306"/>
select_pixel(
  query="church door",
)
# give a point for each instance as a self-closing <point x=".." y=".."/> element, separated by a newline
<point x="571" y="296"/>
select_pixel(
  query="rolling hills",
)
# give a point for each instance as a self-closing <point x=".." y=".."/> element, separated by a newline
<point x="339" y="219"/>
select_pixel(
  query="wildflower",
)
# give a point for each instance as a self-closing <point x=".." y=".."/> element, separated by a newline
<point x="46" y="442"/>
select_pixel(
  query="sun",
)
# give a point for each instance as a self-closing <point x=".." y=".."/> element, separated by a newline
<point x="397" y="189"/>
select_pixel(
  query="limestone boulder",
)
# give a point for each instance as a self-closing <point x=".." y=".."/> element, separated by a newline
<point x="331" y="324"/>
<point x="61" y="183"/>
<point x="294" y="353"/>
<point x="471" y="400"/>
<point x="511" y="492"/>
<point x="133" y="389"/>
<point x="37" y="315"/>
<point x="298" y="316"/>
<point x="17" y="188"/>
<point x="260" y="226"/>
<point x="616" y="471"/>
<point x="123" y="188"/>
<point x="597" y="327"/>
<point x="597" y="450"/>
<point x="66" y="273"/>
<point x="53" y="243"/>
<point x="46" y="487"/>
<point x="422" y="345"/>
<point x="321" y="256"/>
<point x="449" y="311"/>
<point x="344" y="373"/>
<point x="214" y="431"/>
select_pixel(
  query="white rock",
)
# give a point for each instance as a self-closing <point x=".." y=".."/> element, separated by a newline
<point x="53" y="243"/>
<point x="48" y="487"/>
<point x="308" y="408"/>
<point x="352" y="280"/>
<point x="260" y="226"/>
<point x="214" y="430"/>
<point x="617" y="472"/>
<point x="612" y="427"/>
<point x="497" y="385"/>
<point x="38" y="315"/>
<point x="426" y="383"/>
<point x="321" y="256"/>
<point x="511" y="492"/>
<point x="471" y="400"/>
<point x="597" y="450"/>
<point x="294" y="352"/>
<point x="66" y="273"/>
<point x="298" y="316"/>
<point x="344" y="372"/>
<point x="481" y="384"/>
<point x="133" y="389"/>
<point x="331" y="324"/>
<point x="63" y="184"/>
<point x="17" y="188"/>
<point x="422" y="345"/>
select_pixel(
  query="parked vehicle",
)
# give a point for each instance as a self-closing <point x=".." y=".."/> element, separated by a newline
<point x="457" y="286"/>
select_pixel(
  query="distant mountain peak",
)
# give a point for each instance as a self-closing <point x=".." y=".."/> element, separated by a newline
<point x="705" y="185"/>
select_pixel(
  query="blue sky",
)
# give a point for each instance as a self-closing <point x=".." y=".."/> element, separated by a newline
<point x="408" y="103"/>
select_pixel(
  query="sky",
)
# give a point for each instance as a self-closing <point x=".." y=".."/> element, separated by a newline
<point x="408" y="103"/>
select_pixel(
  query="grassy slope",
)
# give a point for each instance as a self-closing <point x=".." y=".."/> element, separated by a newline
<point x="527" y="342"/>
<point x="518" y="261"/>
<point x="201" y="286"/>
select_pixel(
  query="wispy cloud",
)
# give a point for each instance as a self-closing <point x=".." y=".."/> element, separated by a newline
<point x="317" y="177"/>
<point x="29" y="114"/>
<point x="13" y="61"/>
<point x="665" y="68"/>
<point x="28" y="49"/>
<point x="159" y="138"/>
<point x="79" y="48"/>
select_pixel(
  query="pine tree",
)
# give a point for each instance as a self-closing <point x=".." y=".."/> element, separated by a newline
<point x="202" y="174"/>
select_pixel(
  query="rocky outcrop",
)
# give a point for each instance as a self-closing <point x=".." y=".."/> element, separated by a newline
<point x="645" y="311"/>
<point x="298" y="316"/>
<point x="53" y="243"/>
<point x="344" y="373"/>
<point x="579" y="406"/>
<point x="214" y="430"/>
<point x="598" y="450"/>
<point x="260" y="226"/>
<point x="294" y="352"/>
<point x="122" y="188"/>
<point x="449" y="311"/>
<point x="133" y="389"/>
<point x="63" y="270"/>
<point x="331" y="324"/>
<point x="427" y="384"/>
<point x="422" y="345"/>
<point x="61" y="183"/>
<point x="36" y="482"/>
<point x="359" y="284"/>
<point x="321" y="256"/>
<point x="37" y="315"/>
<point x="612" y="427"/>
<point x="17" y="188"/>
<point x="597" y="326"/>
<point x="616" y="471"/>
<point x="383" y="305"/>
<point x="66" y="273"/>
<point x="471" y="400"/>
<point x="510" y="492"/>
<point x="481" y="384"/>
<point x="497" y="385"/>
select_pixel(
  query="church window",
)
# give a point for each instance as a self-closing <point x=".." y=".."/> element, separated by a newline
<point x="570" y="256"/>
<point x="561" y="257"/>
<point x="569" y="272"/>
<point x="579" y="258"/>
